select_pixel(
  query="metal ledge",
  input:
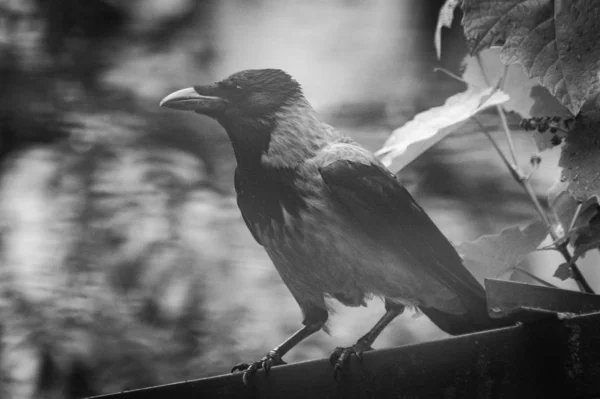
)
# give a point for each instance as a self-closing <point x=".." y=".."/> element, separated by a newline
<point x="553" y="350"/>
<point x="551" y="357"/>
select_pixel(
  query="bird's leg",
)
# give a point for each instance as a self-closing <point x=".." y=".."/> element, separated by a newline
<point x="274" y="357"/>
<point x="340" y="355"/>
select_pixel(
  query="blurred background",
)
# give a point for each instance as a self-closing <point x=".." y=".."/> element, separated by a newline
<point x="124" y="261"/>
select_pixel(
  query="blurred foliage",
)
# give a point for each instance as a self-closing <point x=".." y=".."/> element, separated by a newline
<point x="107" y="231"/>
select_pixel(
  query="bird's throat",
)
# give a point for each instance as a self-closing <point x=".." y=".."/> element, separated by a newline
<point x="250" y="140"/>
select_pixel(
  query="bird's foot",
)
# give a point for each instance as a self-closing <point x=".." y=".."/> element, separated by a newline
<point x="273" y="358"/>
<point x="341" y="355"/>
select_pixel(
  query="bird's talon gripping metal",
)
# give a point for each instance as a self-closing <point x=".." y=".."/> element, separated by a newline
<point x="240" y="367"/>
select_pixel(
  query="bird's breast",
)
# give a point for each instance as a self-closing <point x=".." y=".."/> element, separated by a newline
<point x="310" y="244"/>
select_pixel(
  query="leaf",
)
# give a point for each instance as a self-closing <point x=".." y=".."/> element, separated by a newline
<point x="548" y="132"/>
<point x="544" y="104"/>
<point x="563" y="272"/>
<point x="445" y="18"/>
<point x="580" y="157"/>
<point x="556" y="41"/>
<point x="527" y="97"/>
<point x="588" y="238"/>
<point x="494" y="255"/>
<point x="545" y="141"/>
<point x="562" y="204"/>
<point x="516" y="84"/>
<point x="584" y="232"/>
<point x="429" y="127"/>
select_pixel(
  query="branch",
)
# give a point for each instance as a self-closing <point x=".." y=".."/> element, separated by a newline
<point x="524" y="182"/>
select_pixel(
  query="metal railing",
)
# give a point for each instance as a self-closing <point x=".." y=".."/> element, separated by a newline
<point x="550" y="354"/>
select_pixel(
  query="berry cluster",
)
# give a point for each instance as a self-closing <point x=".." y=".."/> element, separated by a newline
<point x="556" y="125"/>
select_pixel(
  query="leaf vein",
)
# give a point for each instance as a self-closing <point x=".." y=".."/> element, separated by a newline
<point x="498" y="20"/>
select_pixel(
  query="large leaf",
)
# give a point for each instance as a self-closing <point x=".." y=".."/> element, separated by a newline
<point x="580" y="158"/>
<point x="427" y="128"/>
<point x="527" y="97"/>
<point x="563" y="271"/>
<point x="557" y="42"/>
<point x="494" y="255"/>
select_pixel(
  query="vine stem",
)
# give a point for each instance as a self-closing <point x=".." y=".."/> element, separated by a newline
<point x="507" y="133"/>
<point x="452" y="75"/>
<point x="534" y="277"/>
<point x="575" y="216"/>
<point x="524" y="182"/>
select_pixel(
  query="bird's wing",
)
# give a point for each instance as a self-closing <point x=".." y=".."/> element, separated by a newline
<point x="382" y="208"/>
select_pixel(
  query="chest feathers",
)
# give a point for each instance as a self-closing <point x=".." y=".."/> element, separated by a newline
<point x="269" y="198"/>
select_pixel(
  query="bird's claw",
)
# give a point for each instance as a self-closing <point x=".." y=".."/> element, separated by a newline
<point x="239" y="367"/>
<point x="340" y="356"/>
<point x="273" y="358"/>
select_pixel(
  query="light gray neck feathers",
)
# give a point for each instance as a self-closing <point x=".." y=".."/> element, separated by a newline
<point x="297" y="136"/>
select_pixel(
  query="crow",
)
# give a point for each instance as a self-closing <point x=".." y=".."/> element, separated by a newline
<point x="334" y="221"/>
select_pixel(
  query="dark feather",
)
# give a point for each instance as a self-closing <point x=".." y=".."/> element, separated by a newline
<point x="264" y="194"/>
<point x="383" y="209"/>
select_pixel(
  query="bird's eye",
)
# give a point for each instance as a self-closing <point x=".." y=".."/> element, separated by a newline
<point x="231" y="86"/>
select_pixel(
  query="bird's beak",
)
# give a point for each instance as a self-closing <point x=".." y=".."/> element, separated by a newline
<point x="190" y="99"/>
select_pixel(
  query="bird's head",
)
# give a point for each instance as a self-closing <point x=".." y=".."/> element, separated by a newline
<point x="252" y="94"/>
<point x="263" y="111"/>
